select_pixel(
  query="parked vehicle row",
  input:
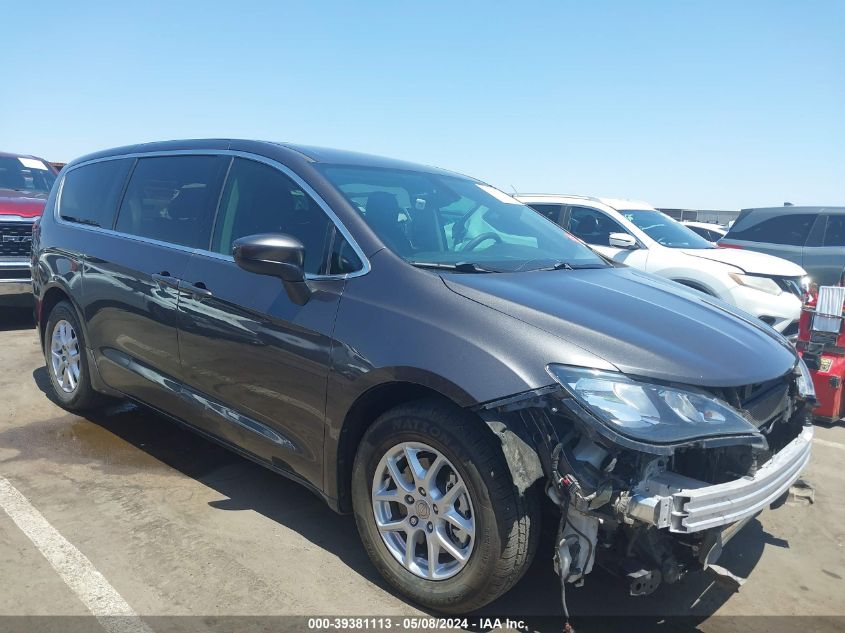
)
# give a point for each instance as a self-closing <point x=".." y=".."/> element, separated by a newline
<point x="427" y="352"/>
<point x="638" y="235"/>
<point x="25" y="182"/>
<point x="708" y="230"/>
<point x="812" y="237"/>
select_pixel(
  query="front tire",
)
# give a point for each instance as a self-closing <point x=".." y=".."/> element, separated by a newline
<point x="437" y="510"/>
<point x="67" y="362"/>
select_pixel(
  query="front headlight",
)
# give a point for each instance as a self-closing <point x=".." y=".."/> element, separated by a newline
<point x="758" y="283"/>
<point x="646" y="411"/>
<point x="804" y="380"/>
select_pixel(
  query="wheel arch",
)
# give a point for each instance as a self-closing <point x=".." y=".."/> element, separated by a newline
<point x="365" y="410"/>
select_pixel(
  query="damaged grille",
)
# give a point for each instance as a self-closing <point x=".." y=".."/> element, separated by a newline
<point x="766" y="402"/>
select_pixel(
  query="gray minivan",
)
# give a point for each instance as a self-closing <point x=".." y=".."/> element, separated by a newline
<point x="812" y="237"/>
<point x="422" y="350"/>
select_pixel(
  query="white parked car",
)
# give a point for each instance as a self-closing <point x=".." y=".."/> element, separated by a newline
<point x="708" y="230"/>
<point x="639" y="235"/>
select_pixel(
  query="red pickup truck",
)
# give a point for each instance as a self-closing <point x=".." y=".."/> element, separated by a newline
<point x="25" y="183"/>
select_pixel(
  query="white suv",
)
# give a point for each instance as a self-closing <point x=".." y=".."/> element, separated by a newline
<point x="639" y="235"/>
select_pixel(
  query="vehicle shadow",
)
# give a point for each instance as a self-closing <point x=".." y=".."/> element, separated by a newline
<point x="536" y="598"/>
<point x="16" y="315"/>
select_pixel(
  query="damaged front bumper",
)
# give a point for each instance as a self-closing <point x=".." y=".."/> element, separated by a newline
<point x="651" y="513"/>
<point x="684" y="505"/>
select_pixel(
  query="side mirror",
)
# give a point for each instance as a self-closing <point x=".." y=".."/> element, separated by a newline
<point x="275" y="255"/>
<point x="623" y="240"/>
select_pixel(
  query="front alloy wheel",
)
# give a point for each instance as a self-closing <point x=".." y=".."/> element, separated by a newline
<point x="423" y="511"/>
<point x="437" y="509"/>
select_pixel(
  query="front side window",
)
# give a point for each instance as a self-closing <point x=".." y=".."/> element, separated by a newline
<point x="28" y="175"/>
<point x="592" y="226"/>
<point x="258" y="198"/>
<point x="790" y="228"/>
<point x="444" y="221"/>
<point x="664" y="230"/>
<point x="551" y="211"/>
<point x="90" y="193"/>
<point x="172" y="199"/>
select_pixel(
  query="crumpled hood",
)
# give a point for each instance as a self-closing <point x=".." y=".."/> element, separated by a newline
<point x="642" y="324"/>
<point x="23" y="204"/>
<point x="749" y="261"/>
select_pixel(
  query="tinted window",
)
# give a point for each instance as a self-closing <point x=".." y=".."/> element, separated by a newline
<point x="172" y="199"/>
<point x="90" y="193"/>
<point x="835" y="233"/>
<point x="551" y="211"/>
<point x="261" y="199"/>
<point x="439" y="220"/>
<point x="592" y="226"/>
<point x="789" y="228"/>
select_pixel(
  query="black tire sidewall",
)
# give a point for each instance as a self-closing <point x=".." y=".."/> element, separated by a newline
<point x="83" y="393"/>
<point x="469" y="583"/>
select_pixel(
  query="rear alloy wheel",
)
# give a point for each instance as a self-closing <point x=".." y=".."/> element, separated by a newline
<point x="67" y="363"/>
<point x="437" y="510"/>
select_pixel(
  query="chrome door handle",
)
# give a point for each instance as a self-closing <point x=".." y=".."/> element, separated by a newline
<point x="198" y="290"/>
<point x="166" y="279"/>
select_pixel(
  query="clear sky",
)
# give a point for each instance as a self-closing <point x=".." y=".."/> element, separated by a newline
<point x="683" y="104"/>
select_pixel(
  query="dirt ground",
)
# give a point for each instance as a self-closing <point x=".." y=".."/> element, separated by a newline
<point x="181" y="527"/>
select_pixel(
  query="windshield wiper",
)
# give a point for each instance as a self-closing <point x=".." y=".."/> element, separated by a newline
<point x="461" y="267"/>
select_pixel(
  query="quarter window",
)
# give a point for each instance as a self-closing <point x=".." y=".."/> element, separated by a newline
<point x="789" y="228"/>
<point x="172" y="199"/>
<point x="90" y="193"/>
<point x="592" y="226"/>
<point x="258" y="198"/>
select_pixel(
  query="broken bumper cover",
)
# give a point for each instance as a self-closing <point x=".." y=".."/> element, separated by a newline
<point x="685" y="505"/>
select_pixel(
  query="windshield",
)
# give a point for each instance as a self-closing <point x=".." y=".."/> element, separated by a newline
<point x="664" y="230"/>
<point x="445" y="221"/>
<point x="25" y="174"/>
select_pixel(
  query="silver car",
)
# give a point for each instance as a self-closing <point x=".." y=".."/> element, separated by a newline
<point x="812" y="237"/>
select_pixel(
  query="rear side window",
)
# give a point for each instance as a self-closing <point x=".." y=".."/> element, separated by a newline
<point x="790" y="228"/>
<point x="90" y="193"/>
<point x="261" y="199"/>
<point x="172" y="199"/>
<point x="834" y="235"/>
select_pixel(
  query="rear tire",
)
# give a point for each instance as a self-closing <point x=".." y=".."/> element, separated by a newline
<point x="504" y="524"/>
<point x="67" y="360"/>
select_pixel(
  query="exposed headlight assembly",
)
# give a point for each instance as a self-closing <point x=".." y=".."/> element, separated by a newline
<point x="765" y="284"/>
<point x="804" y="380"/>
<point x="649" y="412"/>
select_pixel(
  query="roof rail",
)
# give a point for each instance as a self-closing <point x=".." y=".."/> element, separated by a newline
<point x="560" y="195"/>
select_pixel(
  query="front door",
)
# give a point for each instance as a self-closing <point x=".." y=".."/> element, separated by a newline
<point x="594" y="227"/>
<point x="253" y="361"/>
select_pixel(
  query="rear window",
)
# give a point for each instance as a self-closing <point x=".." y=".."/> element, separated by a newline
<point x="172" y="199"/>
<point x="90" y="192"/>
<point x="789" y="228"/>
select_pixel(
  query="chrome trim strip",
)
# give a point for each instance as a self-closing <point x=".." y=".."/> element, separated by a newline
<point x="365" y="262"/>
<point x="17" y="219"/>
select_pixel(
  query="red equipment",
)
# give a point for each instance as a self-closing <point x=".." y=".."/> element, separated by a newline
<point x="821" y="343"/>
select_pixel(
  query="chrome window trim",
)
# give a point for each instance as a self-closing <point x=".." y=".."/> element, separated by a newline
<point x="365" y="262"/>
